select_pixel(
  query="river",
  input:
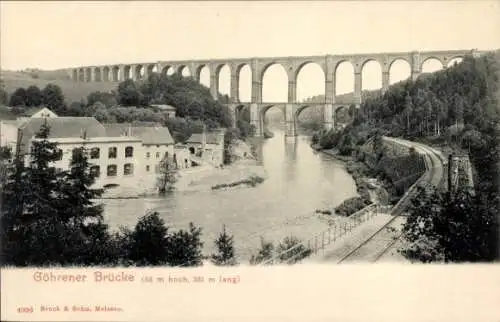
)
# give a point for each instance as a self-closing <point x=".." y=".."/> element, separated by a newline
<point x="300" y="181"/>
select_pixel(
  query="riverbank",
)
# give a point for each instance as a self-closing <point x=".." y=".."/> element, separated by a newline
<point x="369" y="188"/>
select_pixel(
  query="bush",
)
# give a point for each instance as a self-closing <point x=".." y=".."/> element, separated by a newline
<point x="351" y="205"/>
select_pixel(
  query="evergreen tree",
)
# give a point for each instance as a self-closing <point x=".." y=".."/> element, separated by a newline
<point x="34" y="233"/>
<point x="225" y="250"/>
<point x="184" y="247"/>
<point x="77" y="193"/>
<point x="148" y="242"/>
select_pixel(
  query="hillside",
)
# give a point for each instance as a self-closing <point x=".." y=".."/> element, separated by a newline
<point x="73" y="91"/>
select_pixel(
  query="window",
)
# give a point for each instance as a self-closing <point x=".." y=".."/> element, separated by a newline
<point x="112" y="153"/>
<point x="59" y="154"/>
<point x="112" y="170"/>
<point x="74" y="152"/>
<point x="129" y="152"/>
<point x="157" y="146"/>
<point x="147" y="168"/>
<point x="157" y="168"/>
<point x="157" y="155"/>
<point x="128" y="169"/>
<point x="58" y="170"/>
<point x="95" y="153"/>
<point x="95" y="170"/>
<point x="166" y="154"/>
<point x="148" y="155"/>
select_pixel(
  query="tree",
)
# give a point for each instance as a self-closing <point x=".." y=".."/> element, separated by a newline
<point x="291" y="250"/>
<point x="444" y="227"/>
<point x="265" y="253"/>
<point x="33" y="96"/>
<point x="77" y="193"/>
<point x="129" y="93"/>
<point x="225" y="250"/>
<point x="107" y="99"/>
<point x="230" y="137"/>
<point x="167" y="177"/>
<point x="184" y="247"/>
<point x="76" y="109"/>
<point x="53" y="98"/>
<point x="18" y="98"/>
<point x="149" y="241"/>
<point x="4" y="96"/>
<point x="34" y="233"/>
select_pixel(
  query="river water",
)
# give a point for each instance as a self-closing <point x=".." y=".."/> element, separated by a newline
<point x="300" y="181"/>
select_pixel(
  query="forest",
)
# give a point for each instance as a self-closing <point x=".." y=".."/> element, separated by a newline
<point x="456" y="110"/>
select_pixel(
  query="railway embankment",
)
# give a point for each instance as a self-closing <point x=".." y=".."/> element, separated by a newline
<point x="374" y="238"/>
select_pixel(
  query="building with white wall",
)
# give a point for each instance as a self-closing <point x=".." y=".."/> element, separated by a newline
<point x="208" y="147"/>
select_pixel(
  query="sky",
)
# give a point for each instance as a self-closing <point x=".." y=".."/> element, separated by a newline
<point x="53" y="35"/>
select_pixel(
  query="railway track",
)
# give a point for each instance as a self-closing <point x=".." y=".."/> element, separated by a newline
<point x="380" y="242"/>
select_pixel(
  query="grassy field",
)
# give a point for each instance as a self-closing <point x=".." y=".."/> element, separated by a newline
<point x="73" y="91"/>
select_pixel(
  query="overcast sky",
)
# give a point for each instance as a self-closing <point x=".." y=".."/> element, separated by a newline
<point x="51" y="35"/>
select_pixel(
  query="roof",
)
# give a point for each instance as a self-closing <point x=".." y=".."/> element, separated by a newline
<point x="63" y="127"/>
<point x="6" y="113"/>
<point x="211" y="138"/>
<point x="148" y="134"/>
<point x="32" y="111"/>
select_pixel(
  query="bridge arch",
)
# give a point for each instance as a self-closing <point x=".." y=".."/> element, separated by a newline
<point x="105" y="74"/>
<point x="371" y="74"/>
<point x="309" y="79"/>
<point x="88" y="74"/>
<point x="454" y="60"/>
<point x="203" y="75"/>
<point x="151" y="68"/>
<point x="274" y="73"/>
<point x="167" y="70"/>
<point x="127" y="72"/>
<point x="115" y="73"/>
<point x="244" y="75"/>
<point x="399" y="70"/>
<point x="264" y="115"/>
<point x="242" y="112"/>
<point x="341" y="114"/>
<point x="431" y="64"/>
<point x="140" y="72"/>
<point x="184" y="71"/>
<point x="344" y="77"/>
<point x="223" y="79"/>
<point x="97" y="74"/>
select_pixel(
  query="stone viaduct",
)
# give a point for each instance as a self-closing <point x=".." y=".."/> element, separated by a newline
<point x="258" y="66"/>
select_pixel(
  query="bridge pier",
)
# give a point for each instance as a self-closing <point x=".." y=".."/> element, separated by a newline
<point x="328" y="119"/>
<point x="290" y="120"/>
<point x="232" y="110"/>
<point x="256" y="119"/>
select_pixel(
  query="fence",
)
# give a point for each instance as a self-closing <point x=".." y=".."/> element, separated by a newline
<point x="319" y="241"/>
